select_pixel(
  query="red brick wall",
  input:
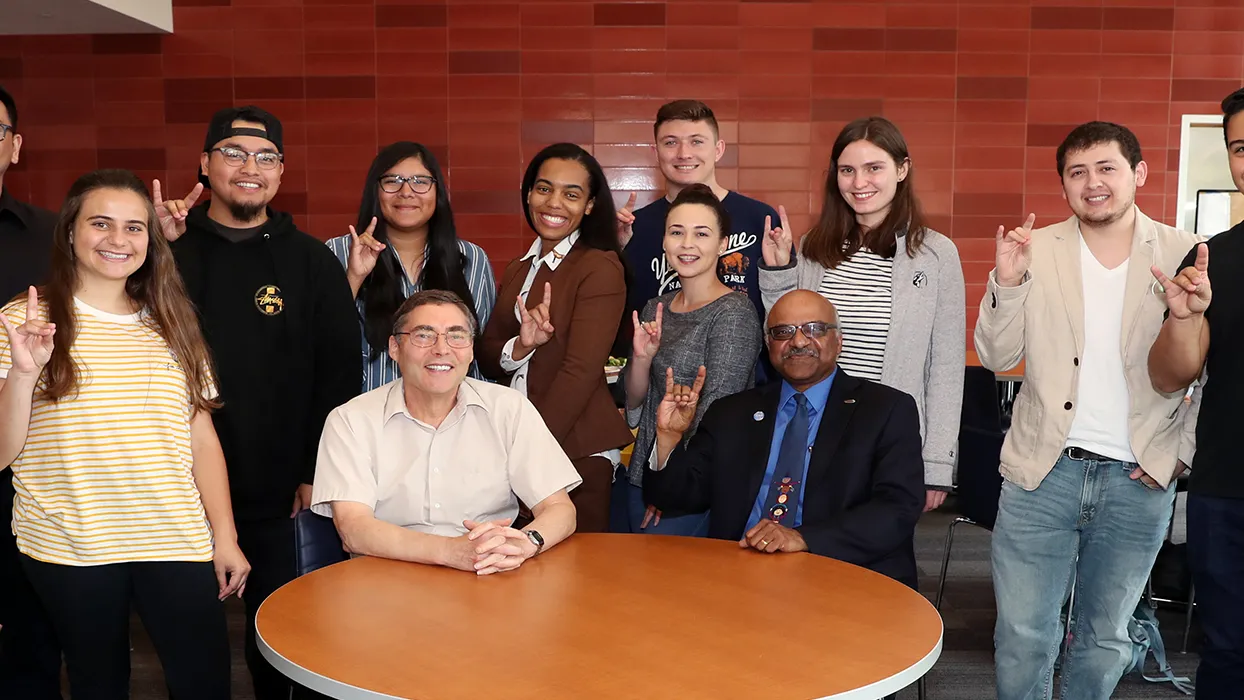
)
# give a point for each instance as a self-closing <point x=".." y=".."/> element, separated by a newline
<point x="983" y="91"/>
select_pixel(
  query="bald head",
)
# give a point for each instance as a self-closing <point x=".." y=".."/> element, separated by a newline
<point x="809" y="354"/>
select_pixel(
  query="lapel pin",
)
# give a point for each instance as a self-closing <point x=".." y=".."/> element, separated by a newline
<point x="849" y="401"/>
<point x="758" y="416"/>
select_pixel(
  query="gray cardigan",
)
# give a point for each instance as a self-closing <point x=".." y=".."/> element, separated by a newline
<point x="926" y="344"/>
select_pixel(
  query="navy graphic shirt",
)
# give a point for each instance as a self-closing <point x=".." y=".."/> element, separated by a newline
<point x="737" y="267"/>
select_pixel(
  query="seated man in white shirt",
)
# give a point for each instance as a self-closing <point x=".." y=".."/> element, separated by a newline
<point x="430" y="468"/>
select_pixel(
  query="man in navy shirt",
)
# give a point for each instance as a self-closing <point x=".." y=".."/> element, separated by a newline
<point x="688" y="146"/>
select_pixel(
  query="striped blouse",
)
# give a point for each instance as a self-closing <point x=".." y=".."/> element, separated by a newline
<point x="480" y="280"/>
<point x="106" y="475"/>
<point x="860" y="289"/>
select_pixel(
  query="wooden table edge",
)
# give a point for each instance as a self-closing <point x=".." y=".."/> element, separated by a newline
<point x="319" y="683"/>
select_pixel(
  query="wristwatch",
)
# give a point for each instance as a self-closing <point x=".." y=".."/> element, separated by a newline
<point x="536" y="539"/>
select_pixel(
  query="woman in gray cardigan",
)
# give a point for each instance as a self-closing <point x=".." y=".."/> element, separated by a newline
<point x="897" y="285"/>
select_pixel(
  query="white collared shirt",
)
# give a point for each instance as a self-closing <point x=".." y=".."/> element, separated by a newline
<point x="490" y="451"/>
<point x="552" y="260"/>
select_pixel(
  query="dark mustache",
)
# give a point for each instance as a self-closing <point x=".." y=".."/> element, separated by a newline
<point x="809" y="351"/>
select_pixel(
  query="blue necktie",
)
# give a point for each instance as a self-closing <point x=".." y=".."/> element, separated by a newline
<point x="783" y="498"/>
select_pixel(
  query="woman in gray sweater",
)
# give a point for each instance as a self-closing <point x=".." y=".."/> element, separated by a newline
<point x="703" y="325"/>
<point x="897" y="285"/>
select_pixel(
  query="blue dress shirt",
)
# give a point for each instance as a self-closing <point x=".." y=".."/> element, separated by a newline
<point x="817" y="395"/>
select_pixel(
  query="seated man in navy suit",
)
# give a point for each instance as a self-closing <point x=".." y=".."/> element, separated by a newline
<point x="820" y="462"/>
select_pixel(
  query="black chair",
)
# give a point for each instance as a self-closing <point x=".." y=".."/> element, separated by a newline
<point x="316" y="542"/>
<point x="979" y="484"/>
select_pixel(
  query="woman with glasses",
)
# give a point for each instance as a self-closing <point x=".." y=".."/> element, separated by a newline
<point x="703" y="327"/>
<point x="561" y="306"/>
<point x="897" y="285"/>
<point x="408" y="243"/>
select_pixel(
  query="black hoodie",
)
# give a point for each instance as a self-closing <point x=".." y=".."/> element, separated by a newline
<point x="279" y="317"/>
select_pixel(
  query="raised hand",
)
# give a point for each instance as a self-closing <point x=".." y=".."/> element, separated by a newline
<point x="647" y="339"/>
<point x="364" y="252"/>
<point x="1013" y="253"/>
<point x="30" y="344"/>
<point x="677" y="409"/>
<point x="626" y="219"/>
<point x="777" y="243"/>
<point x="172" y="213"/>
<point x="1188" y="294"/>
<point x="537" y="325"/>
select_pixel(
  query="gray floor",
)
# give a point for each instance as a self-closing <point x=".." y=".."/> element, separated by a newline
<point x="964" y="672"/>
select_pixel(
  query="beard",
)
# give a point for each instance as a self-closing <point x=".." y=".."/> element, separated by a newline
<point x="246" y="212"/>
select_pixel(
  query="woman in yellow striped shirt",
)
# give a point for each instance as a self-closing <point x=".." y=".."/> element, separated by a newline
<point x="122" y="495"/>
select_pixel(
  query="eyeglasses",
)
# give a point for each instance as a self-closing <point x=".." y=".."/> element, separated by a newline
<point x="4" y="130"/>
<point x="811" y="329"/>
<point x="419" y="184"/>
<point x="426" y="337"/>
<point x="236" y="157"/>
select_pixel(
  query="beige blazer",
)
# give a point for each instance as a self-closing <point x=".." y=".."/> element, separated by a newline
<point x="1042" y="322"/>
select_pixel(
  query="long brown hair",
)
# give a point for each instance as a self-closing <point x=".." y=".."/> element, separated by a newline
<point x="155" y="288"/>
<point x="836" y="235"/>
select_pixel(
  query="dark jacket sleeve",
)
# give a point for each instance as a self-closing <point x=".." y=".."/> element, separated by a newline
<point x="598" y="306"/>
<point x="338" y="374"/>
<point x="686" y="483"/>
<point x="874" y="529"/>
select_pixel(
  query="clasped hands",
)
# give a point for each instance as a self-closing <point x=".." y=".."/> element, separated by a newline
<point x="489" y="547"/>
<point x="769" y="537"/>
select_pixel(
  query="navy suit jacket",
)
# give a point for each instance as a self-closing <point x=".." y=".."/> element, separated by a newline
<point x="865" y="486"/>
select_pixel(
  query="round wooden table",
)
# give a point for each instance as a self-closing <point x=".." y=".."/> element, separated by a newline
<point x="604" y="616"/>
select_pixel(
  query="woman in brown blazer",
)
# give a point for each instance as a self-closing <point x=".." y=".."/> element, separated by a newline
<point x="558" y="311"/>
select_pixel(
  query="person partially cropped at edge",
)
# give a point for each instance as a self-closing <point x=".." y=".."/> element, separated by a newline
<point x="278" y="314"/>
<point x="405" y="241"/>
<point x="1093" y="448"/>
<point x="897" y="284"/>
<point x="688" y="145"/>
<point x="30" y="657"/>
<point x="106" y="393"/>
<point x="560" y="309"/>
<point x="431" y="467"/>
<point x="818" y="462"/>
<point x="1202" y="336"/>
<point x="703" y="324"/>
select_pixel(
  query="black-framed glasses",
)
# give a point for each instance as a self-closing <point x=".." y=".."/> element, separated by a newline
<point x="419" y="184"/>
<point x="4" y="130"/>
<point x="811" y="329"/>
<point x="237" y="157"/>
<point x="426" y="337"/>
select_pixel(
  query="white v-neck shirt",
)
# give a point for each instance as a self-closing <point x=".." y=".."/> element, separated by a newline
<point x="1102" y="399"/>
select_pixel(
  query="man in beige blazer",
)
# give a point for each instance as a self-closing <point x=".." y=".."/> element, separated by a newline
<point x="1093" y="448"/>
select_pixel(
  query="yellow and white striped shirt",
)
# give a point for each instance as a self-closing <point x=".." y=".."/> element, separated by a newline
<point x="106" y="474"/>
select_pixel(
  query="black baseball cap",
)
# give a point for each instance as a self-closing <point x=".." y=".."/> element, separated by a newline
<point x="221" y="127"/>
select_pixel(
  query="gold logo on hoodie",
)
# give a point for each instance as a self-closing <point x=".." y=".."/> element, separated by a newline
<point x="269" y="300"/>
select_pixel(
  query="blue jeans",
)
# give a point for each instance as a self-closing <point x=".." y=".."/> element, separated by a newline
<point x="627" y="508"/>
<point x="1087" y="524"/>
<point x="1216" y="557"/>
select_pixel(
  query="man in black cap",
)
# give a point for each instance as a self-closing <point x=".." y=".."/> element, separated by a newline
<point x="29" y="653"/>
<point x="279" y="316"/>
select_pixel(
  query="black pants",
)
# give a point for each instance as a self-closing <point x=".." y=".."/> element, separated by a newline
<point x="90" y="610"/>
<point x="269" y="547"/>
<point x="1216" y="557"/>
<point x="29" y="653"/>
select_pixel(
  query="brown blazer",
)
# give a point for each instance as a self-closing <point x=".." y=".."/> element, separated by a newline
<point x="566" y="377"/>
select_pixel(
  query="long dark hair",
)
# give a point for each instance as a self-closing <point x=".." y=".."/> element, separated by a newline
<point x="155" y="287"/>
<point x="598" y="229"/>
<point x="836" y="235"/>
<point x="381" y="292"/>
